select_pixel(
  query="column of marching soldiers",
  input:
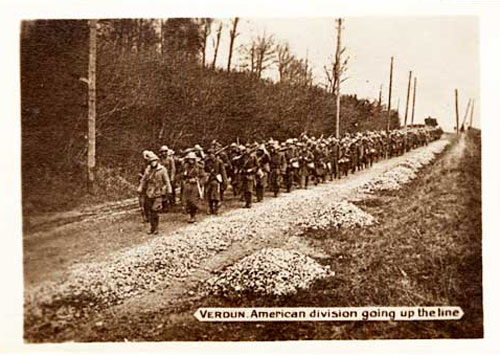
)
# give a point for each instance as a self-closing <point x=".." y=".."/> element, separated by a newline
<point x="196" y="174"/>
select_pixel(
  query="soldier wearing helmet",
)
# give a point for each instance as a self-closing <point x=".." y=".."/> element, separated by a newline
<point x="167" y="160"/>
<point x="192" y="192"/>
<point x="155" y="184"/>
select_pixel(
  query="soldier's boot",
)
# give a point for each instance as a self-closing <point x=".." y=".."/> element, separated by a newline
<point x="276" y="190"/>
<point x="155" y="221"/>
<point x="172" y="196"/>
<point x="248" y="199"/>
<point x="260" y="193"/>
<point x="221" y="195"/>
<point x="147" y="215"/>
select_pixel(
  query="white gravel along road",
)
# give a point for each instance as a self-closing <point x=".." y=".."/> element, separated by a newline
<point x="140" y="269"/>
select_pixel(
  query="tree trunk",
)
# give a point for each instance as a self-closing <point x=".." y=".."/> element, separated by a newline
<point x="217" y="42"/>
<point x="232" y="35"/>
<point x="91" y="108"/>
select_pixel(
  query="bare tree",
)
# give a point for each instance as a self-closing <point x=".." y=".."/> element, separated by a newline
<point x="307" y="75"/>
<point x="265" y="51"/>
<point x="205" y="33"/>
<point x="330" y="74"/>
<point x="232" y="36"/>
<point x="216" y="43"/>
<point x="284" y="60"/>
<point x="249" y="57"/>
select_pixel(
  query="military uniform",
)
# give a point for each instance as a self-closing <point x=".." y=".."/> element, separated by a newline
<point x="278" y="166"/>
<point x="214" y="178"/>
<point x="262" y="173"/>
<point x="249" y="167"/>
<point x="155" y="183"/>
<point x="192" y="193"/>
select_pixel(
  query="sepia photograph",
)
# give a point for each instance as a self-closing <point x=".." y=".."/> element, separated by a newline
<point x="251" y="178"/>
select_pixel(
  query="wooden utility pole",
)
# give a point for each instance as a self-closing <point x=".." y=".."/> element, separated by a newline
<point x="390" y="95"/>
<point x="408" y="99"/>
<point x="380" y="96"/>
<point x="462" y="126"/>
<point x="456" y="107"/>
<point x="414" y="98"/>
<point x="471" y="113"/>
<point x="337" y="74"/>
<point x="92" y="111"/>
<point x="161" y="38"/>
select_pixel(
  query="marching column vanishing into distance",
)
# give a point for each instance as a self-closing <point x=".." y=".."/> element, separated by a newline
<point x="250" y="168"/>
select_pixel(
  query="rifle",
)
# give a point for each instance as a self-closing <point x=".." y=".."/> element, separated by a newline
<point x="221" y="150"/>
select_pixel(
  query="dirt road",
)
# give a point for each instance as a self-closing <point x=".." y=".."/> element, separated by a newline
<point x="109" y="246"/>
<point x="53" y="244"/>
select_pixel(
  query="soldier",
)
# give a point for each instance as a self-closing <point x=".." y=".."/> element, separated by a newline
<point x="167" y="160"/>
<point x="364" y="152"/>
<point x="142" y="194"/>
<point x="198" y="150"/>
<point x="319" y="157"/>
<point x="262" y="174"/>
<point x="354" y="155"/>
<point x="277" y="166"/>
<point x="227" y="167"/>
<point x="192" y="174"/>
<point x="344" y="157"/>
<point x="215" y="176"/>
<point x="155" y="183"/>
<point x="334" y="158"/>
<point x="292" y="164"/>
<point x="235" y="159"/>
<point x="249" y="167"/>
<point x="306" y="165"/>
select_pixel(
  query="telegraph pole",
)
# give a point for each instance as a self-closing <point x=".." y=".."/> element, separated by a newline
<point x="472" y="113"/>
<point x="456" y="107"/>
<point x="337" y="74"/>
<point x="91" y="109"/>
<point x="390" y="95"/>
<point x="408" y="99"/>
<point x="462" y="126"/>
<point x="414" y="97"/>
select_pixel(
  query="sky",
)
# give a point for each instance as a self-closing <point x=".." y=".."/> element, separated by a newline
<point x="441" y="51"/>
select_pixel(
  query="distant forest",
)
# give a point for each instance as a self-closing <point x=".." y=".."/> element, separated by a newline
<point x="156" y="86"/>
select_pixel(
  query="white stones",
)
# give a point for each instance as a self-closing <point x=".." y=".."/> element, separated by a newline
<point x="271" y="271"/>
<point x="405" y="171"/>
<point x="336" y="215"/>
